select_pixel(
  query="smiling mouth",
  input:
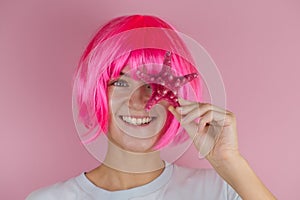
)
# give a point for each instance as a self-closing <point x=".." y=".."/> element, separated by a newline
<point x="137" y="121"/>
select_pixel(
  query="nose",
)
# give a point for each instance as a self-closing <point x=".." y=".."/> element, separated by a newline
<point x="139" y="97"/>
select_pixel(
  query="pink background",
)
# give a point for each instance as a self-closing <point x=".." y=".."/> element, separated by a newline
<point x="254" y="43"/>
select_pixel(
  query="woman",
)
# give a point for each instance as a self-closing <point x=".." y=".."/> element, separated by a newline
<point x="123" y="92"/>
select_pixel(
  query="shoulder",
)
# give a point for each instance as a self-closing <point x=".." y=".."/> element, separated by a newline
<point x="68" y="189"/>
<point x="207" y="176"/>
<point x="203" y="182"/>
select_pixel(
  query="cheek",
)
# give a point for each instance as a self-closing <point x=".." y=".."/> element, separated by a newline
<point x="114" y="102"/>
<point x="117" y="97"/>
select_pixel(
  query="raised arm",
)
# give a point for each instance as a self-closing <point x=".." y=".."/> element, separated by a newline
<point x="217" y="123"/>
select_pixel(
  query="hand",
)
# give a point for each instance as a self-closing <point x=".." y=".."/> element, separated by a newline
<point x="212" y="129"/>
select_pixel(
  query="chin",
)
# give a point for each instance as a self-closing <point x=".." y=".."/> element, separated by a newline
<point x="132" y="144"/>
<point x="139" y="145"/>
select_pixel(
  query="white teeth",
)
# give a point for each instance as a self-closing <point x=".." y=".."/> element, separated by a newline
<point x="137" y="121"/>
<point x="133" y="120"/>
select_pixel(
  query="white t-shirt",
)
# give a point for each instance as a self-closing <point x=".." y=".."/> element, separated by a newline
<point x="174" y="183"/>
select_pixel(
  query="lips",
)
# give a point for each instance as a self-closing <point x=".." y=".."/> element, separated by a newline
<point x="137" y="121"/>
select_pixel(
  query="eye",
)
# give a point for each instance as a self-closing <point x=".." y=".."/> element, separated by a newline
<point x="120" y="83"/>
<point x="148" y="86"/>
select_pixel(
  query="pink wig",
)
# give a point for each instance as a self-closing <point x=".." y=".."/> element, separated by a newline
<point x="102" y="62"/>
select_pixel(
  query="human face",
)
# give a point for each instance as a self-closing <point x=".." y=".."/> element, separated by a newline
<point x="131" y="127"/>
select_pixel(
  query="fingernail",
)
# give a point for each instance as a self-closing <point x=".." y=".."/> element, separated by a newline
<point x="201" y="126"/>
<point x="171" y="108"/>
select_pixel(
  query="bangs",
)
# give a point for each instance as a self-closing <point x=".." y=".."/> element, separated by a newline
<point x="151" y="60"/>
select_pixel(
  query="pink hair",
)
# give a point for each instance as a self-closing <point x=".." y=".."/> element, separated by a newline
<point x="97" y="66"/>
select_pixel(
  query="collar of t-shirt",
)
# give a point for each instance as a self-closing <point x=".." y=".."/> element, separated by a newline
<point x="143" y="190"/>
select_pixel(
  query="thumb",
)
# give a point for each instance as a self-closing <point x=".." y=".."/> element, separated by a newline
<point x="191" y="128"/>
<point x="175" y="113"/>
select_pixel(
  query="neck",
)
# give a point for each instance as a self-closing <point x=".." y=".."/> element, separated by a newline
<point x="132" y="162"/>
<point x="123" y="170"/>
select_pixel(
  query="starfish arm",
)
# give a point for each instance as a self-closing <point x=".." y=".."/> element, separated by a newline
<point x="164" y="84"/>
<point x="154" y="99"/>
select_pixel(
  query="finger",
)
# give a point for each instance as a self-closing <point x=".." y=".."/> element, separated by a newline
<point x="190" y="128"/>
<point x="198" y="112"/>
<point x="192" y="116"/>
<point x="184" y="102"/>
<point x="191" y="104"/>
<point x="214" y="118"/>
<point x="183" y="110"/>
<point x="175" y="113"/>
<point x="208" y="106"/>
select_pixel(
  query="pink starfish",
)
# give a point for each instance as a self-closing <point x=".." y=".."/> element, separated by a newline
<point x="165" y="84"/>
